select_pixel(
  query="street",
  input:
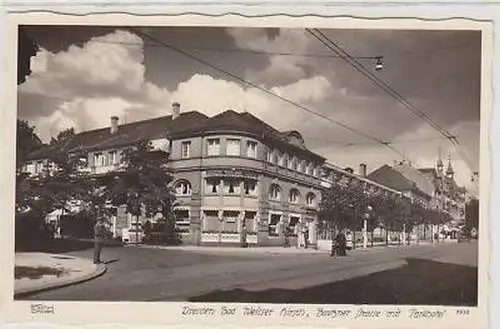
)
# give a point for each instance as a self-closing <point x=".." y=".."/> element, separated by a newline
<point x="444" y="274"/>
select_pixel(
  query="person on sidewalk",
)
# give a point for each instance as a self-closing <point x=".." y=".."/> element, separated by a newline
<point x="306" y="236"/>
<point x="99" y="237"/>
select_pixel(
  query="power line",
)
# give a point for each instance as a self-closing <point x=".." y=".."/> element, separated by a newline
<point x="320" y="36"/>
<point x="284" y="53"/>
<point x="401" y="141"/>
<point x="266" y="91"/>
<point x="377" y="81"/>
<point x="231" y="50"/>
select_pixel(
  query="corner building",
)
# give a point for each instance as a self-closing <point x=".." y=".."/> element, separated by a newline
<point x="232" y="168"/>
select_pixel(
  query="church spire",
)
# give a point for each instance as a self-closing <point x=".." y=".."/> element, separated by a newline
<point x="439" y="163"/>
<point x="450" y="172"/>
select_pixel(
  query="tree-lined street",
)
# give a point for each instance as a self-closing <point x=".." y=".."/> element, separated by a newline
<point x="425" y="274"/>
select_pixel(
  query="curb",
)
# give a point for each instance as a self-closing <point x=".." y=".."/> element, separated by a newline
<point x="100" y="270"/>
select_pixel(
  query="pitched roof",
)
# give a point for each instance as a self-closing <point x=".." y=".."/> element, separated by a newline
<point x="388" y="176"/>
<point x="127" y="134"/>
<point x="244" y="122"/>
<point x="423" y="182"/>
<point x="188" y="124"/>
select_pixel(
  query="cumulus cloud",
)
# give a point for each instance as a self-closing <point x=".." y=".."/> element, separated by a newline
<point x="280" y="68"/>
<point x="88" y="84"/>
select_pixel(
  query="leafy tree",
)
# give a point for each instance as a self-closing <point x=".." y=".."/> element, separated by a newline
<point x="27" y="141"/>
<point x="26" y="49"/>
<point x="144" y="186"/>
<point x="472" y="214"/>
<point x="62" y="137"/>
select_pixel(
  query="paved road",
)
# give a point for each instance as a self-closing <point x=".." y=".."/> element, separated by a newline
<point x="137" y="274"/>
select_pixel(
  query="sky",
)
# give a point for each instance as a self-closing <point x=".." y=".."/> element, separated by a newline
<point x="82" y="75"/>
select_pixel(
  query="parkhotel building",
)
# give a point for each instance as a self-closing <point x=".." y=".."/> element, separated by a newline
<point x="227" y="168"/>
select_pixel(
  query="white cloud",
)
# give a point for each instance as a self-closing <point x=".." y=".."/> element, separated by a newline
<point x="286" y="40"/>
<point x="104" y="77"/>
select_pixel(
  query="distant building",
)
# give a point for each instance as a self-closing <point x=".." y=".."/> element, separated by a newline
<point x="438" y="189"/>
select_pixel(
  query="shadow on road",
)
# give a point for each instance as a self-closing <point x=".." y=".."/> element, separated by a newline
<point x="420" y="282"/>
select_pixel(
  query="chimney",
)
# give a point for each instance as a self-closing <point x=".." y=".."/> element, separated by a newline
<point x="114" y="124"/>
<point x="176" y="110"/>
<point x="362" y="170"/>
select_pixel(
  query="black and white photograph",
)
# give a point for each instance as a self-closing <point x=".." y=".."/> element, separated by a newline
<point x="248" y="164"/>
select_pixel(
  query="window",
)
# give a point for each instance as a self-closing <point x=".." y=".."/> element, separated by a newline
<point x="98" y="160"/>
<point x="293" y="222"/>
<point x="233" y="147"/>
<point x="231" y="186"/>
<point x="309" y="168"/>
<point x="210" y="221"/>
<point x="213" y="146"/>
<point x="303" y="165"/>
<point x="315" y="171"/>
<point x="273" y="224"/>
<point x="310" y="199"/>
<point x="183" y="188"/>
<point x="251" y="149"/>
<point x="273" y="156"/>
<point x="282" y="159"/>
<point x="250" y="187"/>
<point x="212" y="186"/>
<point x="38" y="167"/>
<point x="185" y="149"/>
<point x="275" y="192"/>
<point x="230" y="221"/>
<point x="112" y="156"/>
<point x="294" y="163"/>
<point x="182" y="220"/>
<point x="294" y="196"/>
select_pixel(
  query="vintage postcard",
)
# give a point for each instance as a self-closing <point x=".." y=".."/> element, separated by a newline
<point x="319" y="172"/>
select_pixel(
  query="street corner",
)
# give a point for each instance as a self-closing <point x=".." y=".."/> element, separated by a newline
<point x="36" y="272"/>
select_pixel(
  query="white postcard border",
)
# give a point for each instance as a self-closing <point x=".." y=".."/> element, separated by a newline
<point x="138" y="313"/>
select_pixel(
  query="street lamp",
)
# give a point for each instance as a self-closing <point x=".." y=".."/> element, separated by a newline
<point x="379" y="65"/>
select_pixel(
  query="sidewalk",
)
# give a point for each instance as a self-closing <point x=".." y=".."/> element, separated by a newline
<point x="36" y="271"/>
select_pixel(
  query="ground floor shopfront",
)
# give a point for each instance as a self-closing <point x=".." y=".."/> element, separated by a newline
<point x="264" y="224"/>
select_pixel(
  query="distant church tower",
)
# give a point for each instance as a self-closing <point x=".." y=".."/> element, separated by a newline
<point x="450" y="173"/>
<point x="439" y="165"/>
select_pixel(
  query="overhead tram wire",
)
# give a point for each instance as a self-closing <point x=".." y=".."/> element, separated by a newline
<point x="264" y="90"/>
<point x="320" y="36"/>
<point x="280" y="53"/>
<point x="387" y="88"/>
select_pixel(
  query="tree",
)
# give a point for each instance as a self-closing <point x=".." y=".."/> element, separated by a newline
<point x="62" y="137"/>
<point x="143" y="186"/>
<point x="26" y="49"/>
<point x="27" y="141"/>
<point x="472" y="214"/>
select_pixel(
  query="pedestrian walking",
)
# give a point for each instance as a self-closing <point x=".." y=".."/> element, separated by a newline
<point x="306" y="236"/>
<point x="99" y="237"/>
<point x="286" y="235"/>
<point x="243" y="236"/>
<point x="298" y="233"/>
